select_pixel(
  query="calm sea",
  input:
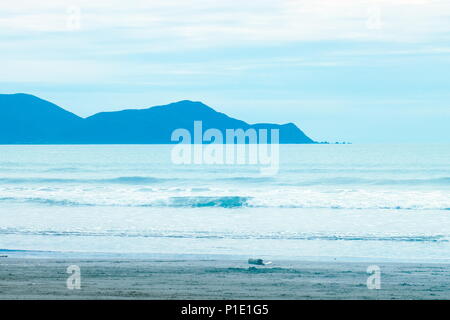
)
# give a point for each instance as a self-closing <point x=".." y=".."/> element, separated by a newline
<point x="378" y="202"/>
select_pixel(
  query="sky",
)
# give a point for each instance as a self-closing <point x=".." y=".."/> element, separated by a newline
<point x="361" y="71"/>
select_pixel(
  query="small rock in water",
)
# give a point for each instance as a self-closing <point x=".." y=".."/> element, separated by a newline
<point x="259" y="262"/>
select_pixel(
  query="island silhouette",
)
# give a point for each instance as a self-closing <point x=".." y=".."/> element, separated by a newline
<point x="27" y="119"/>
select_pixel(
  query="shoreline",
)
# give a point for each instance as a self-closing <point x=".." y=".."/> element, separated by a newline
<point x="71" y="255"/>
<point x="198" y="279"/>
<point x="82" y="255"/>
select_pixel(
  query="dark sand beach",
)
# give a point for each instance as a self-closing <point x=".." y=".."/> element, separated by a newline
<point x="36" y="278"/>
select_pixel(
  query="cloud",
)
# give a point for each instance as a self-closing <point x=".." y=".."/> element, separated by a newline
<point x="142" y="41"/>
<point x="78" y="34"/>
<point x="198" y="23"/>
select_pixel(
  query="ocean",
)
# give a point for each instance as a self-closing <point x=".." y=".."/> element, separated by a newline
<point x="375" y="202"/>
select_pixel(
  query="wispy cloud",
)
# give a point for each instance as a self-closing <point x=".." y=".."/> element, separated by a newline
<point x="49" y="28"/>
<point x="224" y="23"/>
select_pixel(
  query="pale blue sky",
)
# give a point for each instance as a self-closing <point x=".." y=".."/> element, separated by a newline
<point x="353" y="70"/>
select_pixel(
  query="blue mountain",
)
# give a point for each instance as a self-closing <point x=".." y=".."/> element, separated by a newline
<point x="26" y="119"/>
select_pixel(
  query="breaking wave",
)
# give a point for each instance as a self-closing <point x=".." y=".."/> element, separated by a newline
<point x="443" y="181"/>
<point x="119" y="180"/>
<point x="233" y="202"/>
<point x="226" y="235"/>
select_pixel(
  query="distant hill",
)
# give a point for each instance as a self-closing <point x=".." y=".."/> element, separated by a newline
<point x="26" y="119"/>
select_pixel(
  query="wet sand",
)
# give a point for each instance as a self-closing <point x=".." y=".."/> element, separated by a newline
<point x="23" y="278"/>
